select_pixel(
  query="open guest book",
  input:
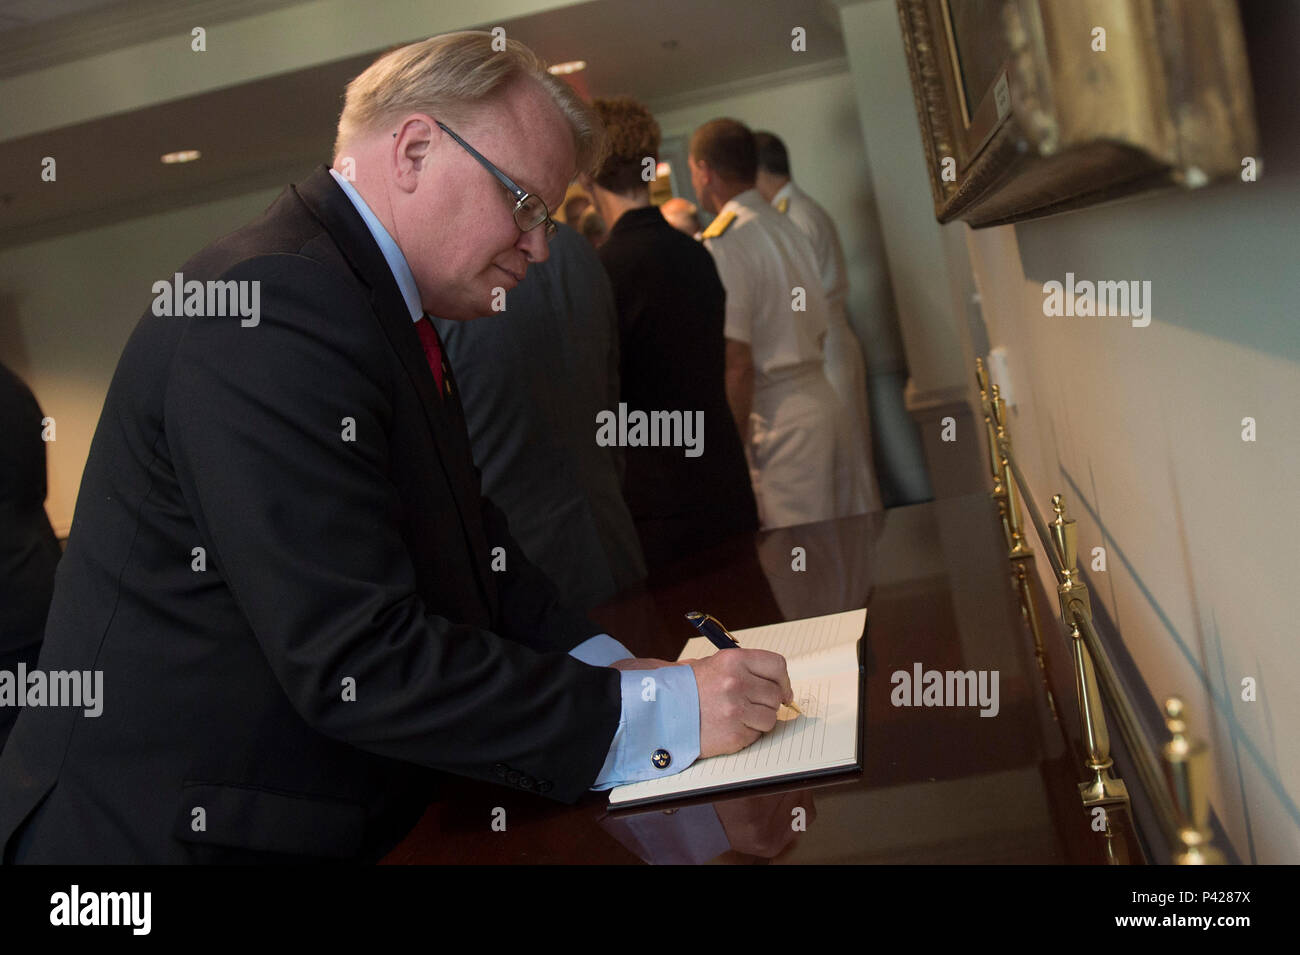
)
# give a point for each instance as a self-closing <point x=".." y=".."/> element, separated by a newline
<point x="821" y="655"/>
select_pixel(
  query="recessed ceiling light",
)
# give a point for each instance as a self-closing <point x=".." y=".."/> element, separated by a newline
<point x="573" y="66"/>
<point x="184" y="155"/>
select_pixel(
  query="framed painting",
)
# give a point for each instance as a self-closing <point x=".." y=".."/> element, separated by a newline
<point x="1033" y="107"/>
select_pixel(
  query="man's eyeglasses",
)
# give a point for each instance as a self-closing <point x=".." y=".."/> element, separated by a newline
<point x="530" y="210"/>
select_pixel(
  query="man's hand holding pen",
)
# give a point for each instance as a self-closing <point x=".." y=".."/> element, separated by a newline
<point x="772" y="669"/>
<point x="741" y="692"/>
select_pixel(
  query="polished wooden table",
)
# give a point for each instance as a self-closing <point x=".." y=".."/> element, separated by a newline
<point x="938" y="784"/>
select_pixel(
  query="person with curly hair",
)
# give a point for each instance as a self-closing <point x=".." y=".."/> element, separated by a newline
<point x="670" y="307"/>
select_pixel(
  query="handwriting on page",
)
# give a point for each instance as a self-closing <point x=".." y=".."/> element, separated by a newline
<point x="822" y="661"/>
<point x="791" y="742"/>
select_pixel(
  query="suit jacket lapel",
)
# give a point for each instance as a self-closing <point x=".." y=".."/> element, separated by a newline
<point x="335" y="211"/>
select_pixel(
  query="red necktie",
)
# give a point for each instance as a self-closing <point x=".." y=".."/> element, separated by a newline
<point x="432" y="348"/>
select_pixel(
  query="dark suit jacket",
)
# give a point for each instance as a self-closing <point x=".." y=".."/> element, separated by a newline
<point x="670" y="311"/>
<point x="228" y="731"/>
<point x="532" y="380"/>
<point x="29" y="551"/>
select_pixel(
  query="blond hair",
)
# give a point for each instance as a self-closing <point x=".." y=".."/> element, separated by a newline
<point x="447" y="76"/>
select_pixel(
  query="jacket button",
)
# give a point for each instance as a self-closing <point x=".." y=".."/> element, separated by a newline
<point x="527" y="781"/>
<point x="512" y="777"/>
<point x="500" y="770"/>
<point x="544" y="785"/>
<point x="661" y="758"/>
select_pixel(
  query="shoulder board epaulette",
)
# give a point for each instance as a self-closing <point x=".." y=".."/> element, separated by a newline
<point x="719" y="225"/>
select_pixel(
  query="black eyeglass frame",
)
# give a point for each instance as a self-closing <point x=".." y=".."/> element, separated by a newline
<point x="519" y="195"/>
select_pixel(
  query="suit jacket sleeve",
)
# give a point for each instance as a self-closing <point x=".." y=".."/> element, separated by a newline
<point x="302" y="525"/>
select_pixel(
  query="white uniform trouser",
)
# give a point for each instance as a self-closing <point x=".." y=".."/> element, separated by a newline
<point x="797" y="451"/>
<point x="848" y="379"/>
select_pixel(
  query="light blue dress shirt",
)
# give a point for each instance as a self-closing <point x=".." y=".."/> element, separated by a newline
<point x="661" y="708"/>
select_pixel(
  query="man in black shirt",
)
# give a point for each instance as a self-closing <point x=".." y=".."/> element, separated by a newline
<point x="670" y="307"/>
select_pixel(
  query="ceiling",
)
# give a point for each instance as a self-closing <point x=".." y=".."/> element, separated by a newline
<point x="39" y="33"/>
<point x="256" y="134"/>
<point x="20" y="13"/>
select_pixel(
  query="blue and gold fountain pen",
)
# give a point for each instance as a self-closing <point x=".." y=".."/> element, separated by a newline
<point x="718" y="635"/>
<point x="711" y="627"/>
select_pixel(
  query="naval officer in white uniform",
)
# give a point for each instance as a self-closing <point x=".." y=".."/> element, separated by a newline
<point x="790" y="420"/>
<point x="845" y="369"/>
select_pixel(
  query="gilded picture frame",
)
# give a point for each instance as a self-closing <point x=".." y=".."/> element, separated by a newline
<point x="1029" y="108"/>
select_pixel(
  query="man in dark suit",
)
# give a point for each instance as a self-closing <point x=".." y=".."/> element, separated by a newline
<point x="29" y="551"/>
<point x="533" y="378"/>
<point x="280" y="559"/>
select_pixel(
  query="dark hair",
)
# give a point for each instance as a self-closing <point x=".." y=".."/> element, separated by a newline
<point x="728" y="147"/>
<point x="772" y="156"/>
<point x="633" y="136"/>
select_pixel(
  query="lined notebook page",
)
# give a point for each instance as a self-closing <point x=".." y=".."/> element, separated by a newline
<point x="821" y="656"/>
<point x="793" y="639"/>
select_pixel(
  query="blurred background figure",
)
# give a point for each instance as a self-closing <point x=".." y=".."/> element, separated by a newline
<point x="576" y="202"/>
<point x="670" y="314"/>
<point x="593" y="229"/>
<point x="29" y="551"/>
<point x="579" y="214"/>
<point x="844" y="366"/>
<point x="531" y="381"/>
<point x="682" y="215"/>
<point x="797" y="435"/>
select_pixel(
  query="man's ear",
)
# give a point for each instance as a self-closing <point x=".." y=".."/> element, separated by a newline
<point x="412" y="147"/>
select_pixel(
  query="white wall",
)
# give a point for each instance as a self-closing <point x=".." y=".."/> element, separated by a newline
<point x="925" y="287"/>
<point x="68" y="305"/>
<point x="1141" y="428"/>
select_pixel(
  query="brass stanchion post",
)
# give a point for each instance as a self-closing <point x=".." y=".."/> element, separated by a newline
<point x="1014" y="516"/>
<point x="995" y="460"/>
<point x="1103" y="788"/>
<point x="1185" y="771"/>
